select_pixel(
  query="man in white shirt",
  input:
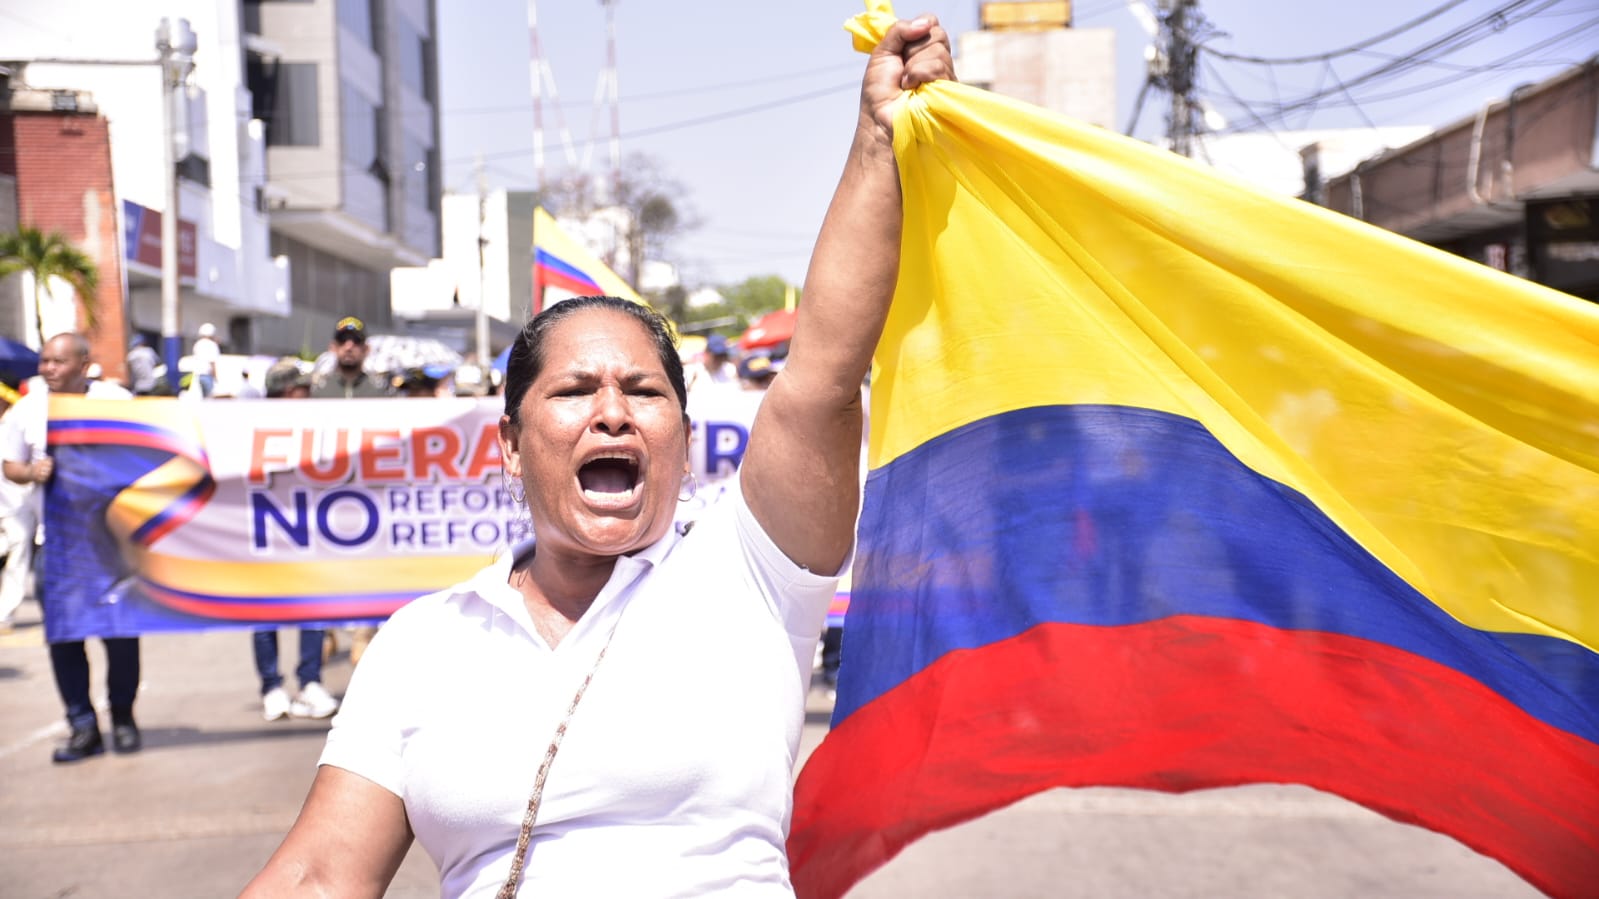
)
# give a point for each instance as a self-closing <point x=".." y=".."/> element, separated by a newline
<point x="142" y="362"/>
<point x="206" y="352"/>
<point x="17" y="526"/>
<point x="24" y="458"/>
<point x="719" y="368"/>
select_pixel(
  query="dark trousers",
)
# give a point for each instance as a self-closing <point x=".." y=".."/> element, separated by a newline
<point x="266" y="658"/>
<point x="832" y="652"/>
<point x="70" y="661"/>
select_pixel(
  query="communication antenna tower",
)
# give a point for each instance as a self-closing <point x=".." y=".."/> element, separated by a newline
<point x="605" y="94"/>
<point x="544" y="82"/>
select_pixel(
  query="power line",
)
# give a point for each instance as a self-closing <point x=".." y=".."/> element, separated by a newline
<point x="1352" y="101"/>
<point x="1342" y="51"/>
<point x="1497" y="65"/>
<point x="700" y="120"/>
<point x="661" y="95"/>
<point x="745" y="110"/>
<point x="1443" y="45"/>
<point x="1245" y="107"/>
<point x="627" y="135"/>
<point x="1454" y="79"/>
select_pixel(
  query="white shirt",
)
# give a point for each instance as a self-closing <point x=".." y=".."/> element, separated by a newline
<point x="725" y="373"/>
<point x="25" y="429"/>
<point x="15" y="500"/>
<point x="14" y="497"/>
<point x="206" y="352"/>
<point x="699" y="374"/>
<point x="675" y="775"/>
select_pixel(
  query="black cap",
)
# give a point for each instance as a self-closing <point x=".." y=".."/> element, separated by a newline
<point x="349" y="326"/>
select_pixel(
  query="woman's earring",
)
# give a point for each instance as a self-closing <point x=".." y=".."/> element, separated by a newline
<point x="691" y="485"/>
<point x="518" y="492"/>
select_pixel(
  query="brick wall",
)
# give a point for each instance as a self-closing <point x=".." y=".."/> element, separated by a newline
<point x="62" y="166"/>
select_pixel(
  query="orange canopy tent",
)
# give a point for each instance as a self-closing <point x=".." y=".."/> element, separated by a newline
<point x="770" y="329"/>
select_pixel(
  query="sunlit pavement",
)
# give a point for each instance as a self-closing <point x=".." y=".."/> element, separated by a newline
<point x="197" y="812"/>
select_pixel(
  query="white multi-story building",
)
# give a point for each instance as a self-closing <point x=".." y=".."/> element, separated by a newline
<point x="348" y="90"/>
<point x="308" y="144"/>
<point x="487" y="260"/>
<point x="105" y="53"/>
<point x="1029" y="51"/>
<point x="441" y="300"/>
<point x="1295" y="163"/>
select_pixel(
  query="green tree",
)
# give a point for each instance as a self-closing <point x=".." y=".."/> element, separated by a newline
<point x="743" y="302"/>
<point x="47" y="256"/>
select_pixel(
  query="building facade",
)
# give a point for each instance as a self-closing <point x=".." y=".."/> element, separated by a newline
<point x="110" y="72"/>
<point x="348" y="93"/>
<point x="486" y="261"/>
<point x="1298" y="163"/>
<point x="1030" y="51"/>
<point x="1515" y="187"/>
<point x="56" y="176"/>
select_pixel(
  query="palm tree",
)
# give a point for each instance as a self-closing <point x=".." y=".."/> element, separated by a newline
<point x="47" y="256"/>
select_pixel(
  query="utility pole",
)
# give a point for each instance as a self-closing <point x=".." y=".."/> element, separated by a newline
<point x="176" y="43"/>
<point x="483" y="357"/>
<point x="1173" y="54"/>
<point x="1182" y="54"/>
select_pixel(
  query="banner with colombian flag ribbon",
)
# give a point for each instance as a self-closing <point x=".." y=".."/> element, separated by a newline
<point x="172" y="515"/>
<point x="168" y="515"/>
<point x="1176" y="484"/>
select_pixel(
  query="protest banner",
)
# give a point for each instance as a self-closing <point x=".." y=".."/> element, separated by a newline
<point x="165" y="515"/>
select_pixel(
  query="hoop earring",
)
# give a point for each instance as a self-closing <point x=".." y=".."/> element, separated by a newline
<point x="518" y="493"/>
<point x="693" y="488"/>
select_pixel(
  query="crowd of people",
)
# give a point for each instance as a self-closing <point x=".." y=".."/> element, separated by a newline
<point x="342" y="370"/>
<point x="584" y="634"/>
<point x="66" y="368"/>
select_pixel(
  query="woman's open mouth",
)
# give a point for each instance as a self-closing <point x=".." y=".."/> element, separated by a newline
<point x="609" y="479"/>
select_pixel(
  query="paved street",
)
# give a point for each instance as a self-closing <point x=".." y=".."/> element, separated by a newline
<point x="196" y="813"/>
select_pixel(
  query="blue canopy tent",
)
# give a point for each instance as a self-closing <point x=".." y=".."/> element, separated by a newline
<point x="17" y="362"/>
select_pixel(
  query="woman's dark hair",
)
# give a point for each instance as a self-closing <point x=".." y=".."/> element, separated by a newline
<point x="527" y="352"/>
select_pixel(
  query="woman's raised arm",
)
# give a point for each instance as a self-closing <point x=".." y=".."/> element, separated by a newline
<point x="801" y="474"/>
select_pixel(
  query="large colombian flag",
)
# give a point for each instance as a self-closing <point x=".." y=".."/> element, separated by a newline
<point x="566" y="266"/>
<point x="1176" y="485"/>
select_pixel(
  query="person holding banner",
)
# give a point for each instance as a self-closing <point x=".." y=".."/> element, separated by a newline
<point x="349" y="379"/>
<point x="529" y="726"/>
<point x="64" y="368"/>
<point x="285" y="380"/>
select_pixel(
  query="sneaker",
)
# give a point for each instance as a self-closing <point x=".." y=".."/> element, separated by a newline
<point x="314" y="702"/>
<point x="275" y="704"/>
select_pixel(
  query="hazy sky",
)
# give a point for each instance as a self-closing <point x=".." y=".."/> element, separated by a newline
<point x="750" y="105"/>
